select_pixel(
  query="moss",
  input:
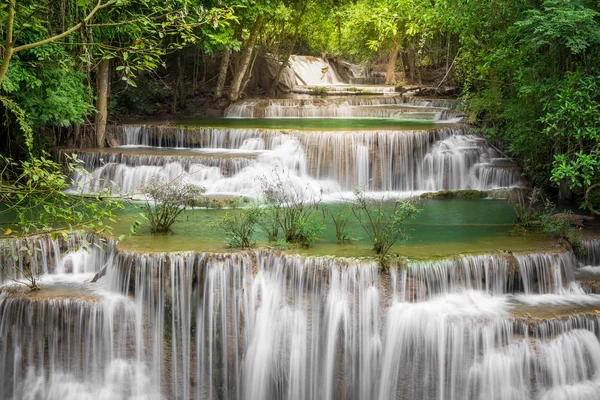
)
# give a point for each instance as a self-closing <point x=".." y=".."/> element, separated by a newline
<point x="454" y="194"/>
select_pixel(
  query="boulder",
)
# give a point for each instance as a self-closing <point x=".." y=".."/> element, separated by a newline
<point x="265" y="70"/>
<point x="574" y="219"/>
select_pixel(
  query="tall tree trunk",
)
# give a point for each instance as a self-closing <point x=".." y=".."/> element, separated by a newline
<point x="289" y="53"/>
<point x="245" y="60"/>
<point x="248" y="75"/>
<point x="102" y="93"/>
<point x="390" y="75"/>
<point x="222" y="73"/>
<point x="178" y="94"/>
<point x="411" y="63"/>
<point x="8" y="47"/>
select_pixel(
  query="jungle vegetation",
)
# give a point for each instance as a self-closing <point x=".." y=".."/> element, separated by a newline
<point x="527" y="71"/>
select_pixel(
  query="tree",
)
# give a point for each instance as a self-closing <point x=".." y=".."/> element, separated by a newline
<point x="130" y="36"/>
<point x="530" y="78"/>
<point x="292" y="209"/>
<point x="11" y="36"/>
<point x="245" y="59"/>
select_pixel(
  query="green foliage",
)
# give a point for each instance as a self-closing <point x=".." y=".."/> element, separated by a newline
<point x="526" y="214"/>
<point x="166" y="200"/>
<point x="559" y="24"/>
<point x="34" y="192"/>
<point x="308" y="228"/>
<point x="382" y="222"/>
<point x="282" y="244"/>
<point x="290" y="209"/>
<point x="318" y="91"/>
<point x="60" y="99"/>
<point x="558" y="226"/>
<point x="538" y="211"/>
<point x="572" y="119"/>
<point x="240" y="226"/>
<point x="21" y="118"/>
<point x="531" y="81"/>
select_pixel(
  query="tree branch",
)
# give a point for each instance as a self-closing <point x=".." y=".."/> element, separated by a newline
<point x="10" y="25"/>
<point x="98" y="7"/>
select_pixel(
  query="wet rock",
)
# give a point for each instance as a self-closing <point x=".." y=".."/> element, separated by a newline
<point x="454" y="194"/>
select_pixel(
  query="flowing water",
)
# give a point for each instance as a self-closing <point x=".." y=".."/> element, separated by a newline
<point x="112" y="323"/>
<point x="232" y="161"/>
<point x="269" y="326"/>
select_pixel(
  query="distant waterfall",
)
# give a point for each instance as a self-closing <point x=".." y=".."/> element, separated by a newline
<point x="314" y="71"/>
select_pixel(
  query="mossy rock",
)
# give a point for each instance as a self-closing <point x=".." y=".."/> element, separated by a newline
<point x="454" y="194"/>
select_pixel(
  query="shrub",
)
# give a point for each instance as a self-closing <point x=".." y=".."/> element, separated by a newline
<point x="165" y="201"/>
<point x="558" y="226"/>
<point x="383" y="225"/>
<point x="286" y="207"/>
<point x="308" y="228"/>
<point x="340" y="218"/>
<point x="240" y="227"/>
<point x="269" y="222"/>
<point x="526" y="214"/>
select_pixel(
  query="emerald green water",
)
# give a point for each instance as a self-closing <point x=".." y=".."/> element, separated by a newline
<point x="323" y="124"/>
<point x="443" y="228"/>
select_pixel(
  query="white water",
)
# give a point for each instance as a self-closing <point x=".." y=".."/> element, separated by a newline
<point x="345" y="107"/>
<point x="314" y="71"/>
<point x="332" y="163"/>
<point x="263" y="326"/>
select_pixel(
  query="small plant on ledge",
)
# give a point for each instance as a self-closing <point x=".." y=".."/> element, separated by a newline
<point x="165" y="201"/>
<point x="383" y="222"/>
<point x="318" y="91"/>
<point x="240" y="226"/>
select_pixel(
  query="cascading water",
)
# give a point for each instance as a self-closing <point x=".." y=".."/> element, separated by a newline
<point x="361" y="107"/>
<point x="268" y="326"/>
<point x="314" y="71"/>
<point x="123" y="174"/>
<point x="332" y="162"/>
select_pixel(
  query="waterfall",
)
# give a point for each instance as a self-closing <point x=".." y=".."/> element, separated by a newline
<point x="592" y="253"/>
<point x="229" y="161"/>
<point x="344" y="107"/>
<point x="127" y="173"/>
<point x="271" y="326"/>
<point x="314" y="71"/>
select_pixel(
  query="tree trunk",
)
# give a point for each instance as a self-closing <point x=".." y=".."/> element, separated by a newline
<point x="411" y="64"/>
<point x="245" y="60"/>
<point x="390" y="75"/>
<point x="178" y="94"/>
<point x="248" y="75"/>
<point x="102" y="94"/>
<point x="222" y="73"/>
<point x="5" y="62"/>
<point x="8" y="47"/>
<point x="289" y="53"/>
